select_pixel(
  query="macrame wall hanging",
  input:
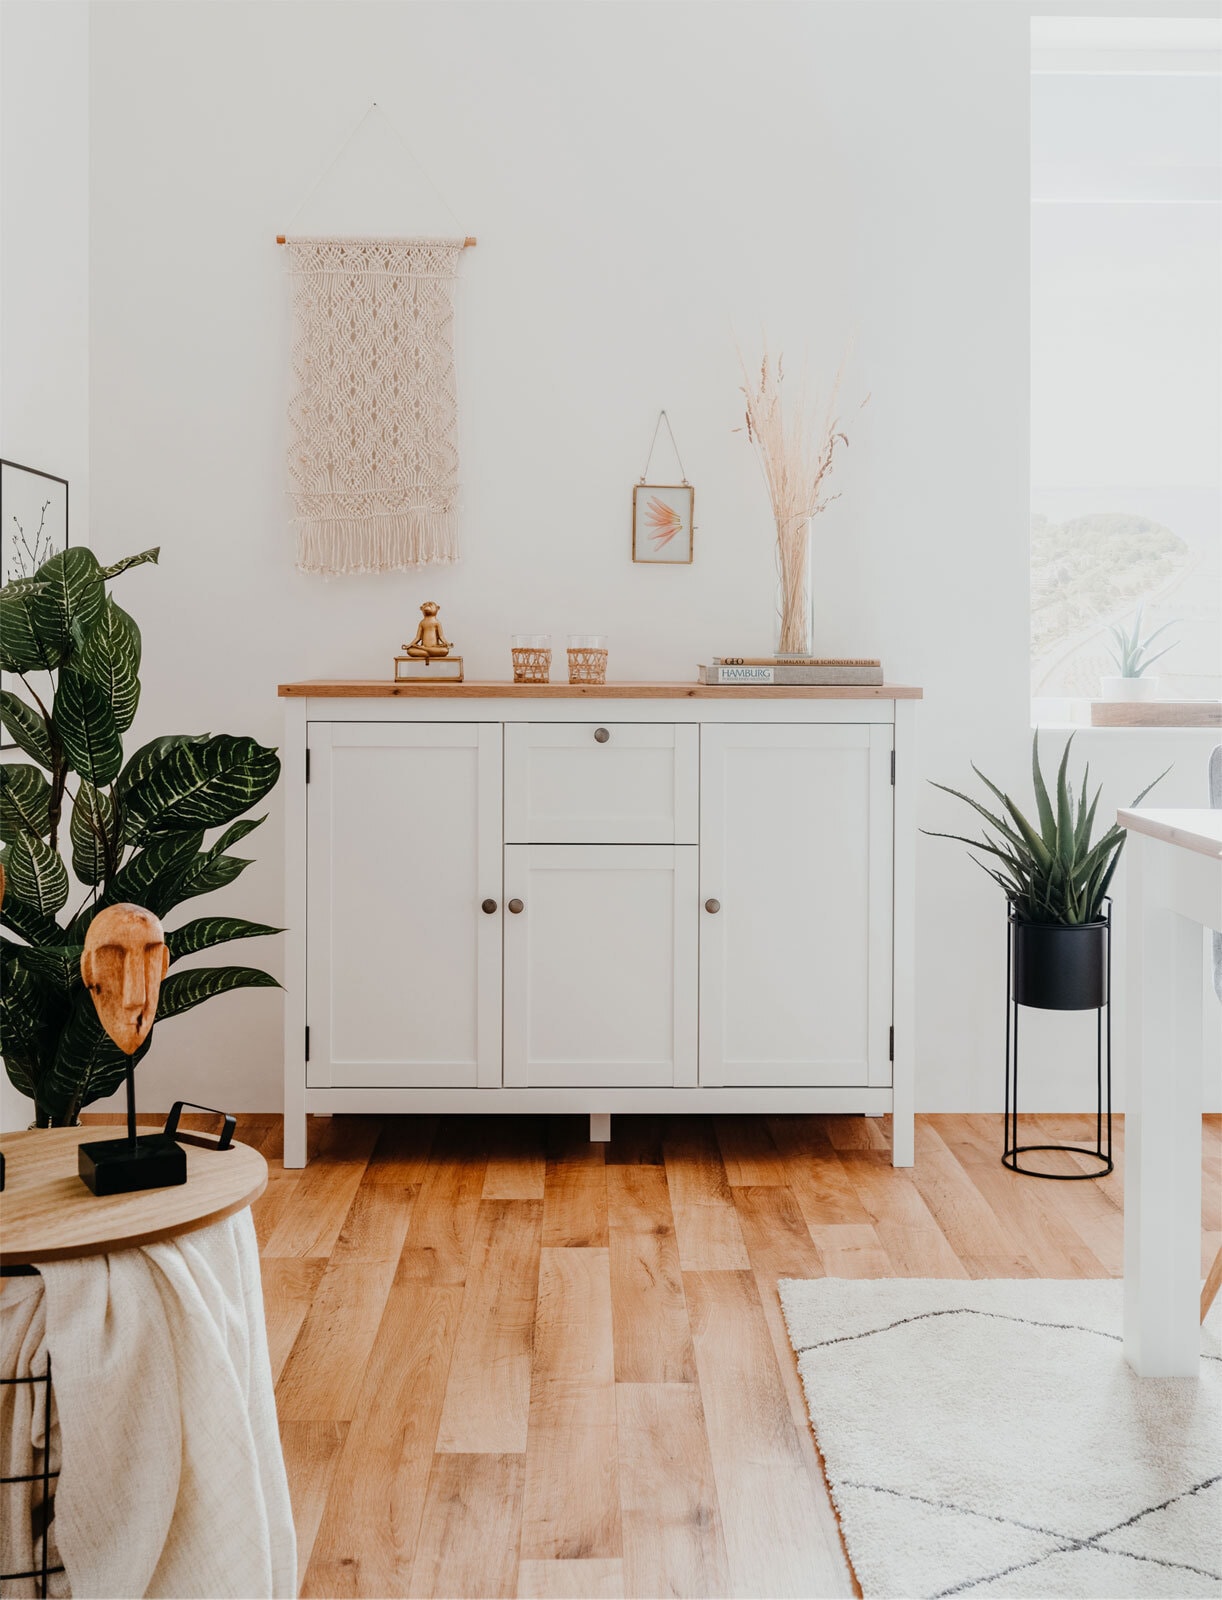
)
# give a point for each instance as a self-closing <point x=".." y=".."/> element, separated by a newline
<point x="373" y="451"/>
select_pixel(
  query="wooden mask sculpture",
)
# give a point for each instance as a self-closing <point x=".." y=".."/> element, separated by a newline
<point x="123" y="962"/>
<point x="122" y="965"/>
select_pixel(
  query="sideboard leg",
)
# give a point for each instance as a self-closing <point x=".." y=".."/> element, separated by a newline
<point x="600" y="1127"/>
<point x="294" y="1137"/>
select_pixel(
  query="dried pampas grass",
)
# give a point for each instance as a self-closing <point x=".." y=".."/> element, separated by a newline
<point x="795" y="454"/>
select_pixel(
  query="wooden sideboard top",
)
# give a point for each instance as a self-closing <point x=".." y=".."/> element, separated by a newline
<point x="375" y="688"/>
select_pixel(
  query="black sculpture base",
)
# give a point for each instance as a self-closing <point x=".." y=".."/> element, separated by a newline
<point x="113" y="1166"/>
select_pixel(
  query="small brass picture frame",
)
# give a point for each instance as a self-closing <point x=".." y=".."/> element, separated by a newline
<point x="662" y="521"/>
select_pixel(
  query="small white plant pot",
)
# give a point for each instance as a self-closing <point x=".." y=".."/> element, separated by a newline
<point x="1130" y="688"/>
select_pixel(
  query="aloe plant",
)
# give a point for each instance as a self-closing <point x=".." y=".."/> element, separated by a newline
<point x="1130" y="651"/>
<point x="1054" y="872"/>
<point x="134" y="830"/>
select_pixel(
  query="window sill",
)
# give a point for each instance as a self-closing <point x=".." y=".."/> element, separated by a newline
<point x="1156" y="713"/>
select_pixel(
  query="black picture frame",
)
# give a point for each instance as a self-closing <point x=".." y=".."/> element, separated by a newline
<point x="33" y="524"/>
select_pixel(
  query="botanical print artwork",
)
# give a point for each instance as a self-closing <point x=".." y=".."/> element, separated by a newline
<point x="33" y="519"/>
<point x="662" y="523"/>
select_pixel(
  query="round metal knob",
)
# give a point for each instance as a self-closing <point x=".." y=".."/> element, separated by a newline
<point x="712" y="905"/>
<point x="515" y="906"/>
<point x="488" y="906"/>
<point x="601" y="735"/>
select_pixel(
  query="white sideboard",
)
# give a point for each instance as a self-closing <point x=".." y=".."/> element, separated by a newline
<point x="625" y="898"/>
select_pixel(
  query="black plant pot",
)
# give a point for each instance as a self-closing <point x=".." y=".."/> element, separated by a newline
<point x="1058" y="967"/>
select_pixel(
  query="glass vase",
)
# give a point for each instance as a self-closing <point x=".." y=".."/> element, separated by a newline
<point x="795" y="609"/>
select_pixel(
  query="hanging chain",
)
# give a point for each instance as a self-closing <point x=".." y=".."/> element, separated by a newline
<point x="663" y="418"/>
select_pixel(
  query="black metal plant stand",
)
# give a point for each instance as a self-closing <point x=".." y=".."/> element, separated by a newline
<point x="1102" y="1153"/>
<point x="43" y="1570"/>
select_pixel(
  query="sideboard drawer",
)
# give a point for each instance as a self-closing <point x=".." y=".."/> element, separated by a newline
<point x="602" y="783"/>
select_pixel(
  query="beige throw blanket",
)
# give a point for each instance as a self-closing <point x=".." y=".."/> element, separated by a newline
<point x="172" y="1480"/>
<point x="373" y="458"/>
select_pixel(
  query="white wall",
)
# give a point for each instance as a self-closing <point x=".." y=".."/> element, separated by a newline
<point x="44" y="264"/>
<point x="646" y="182"/>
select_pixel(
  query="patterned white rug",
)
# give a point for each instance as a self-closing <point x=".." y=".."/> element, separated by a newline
<point x="988" y="1438"/>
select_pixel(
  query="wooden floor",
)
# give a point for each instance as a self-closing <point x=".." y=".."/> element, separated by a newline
<point x="510" y="1362"/>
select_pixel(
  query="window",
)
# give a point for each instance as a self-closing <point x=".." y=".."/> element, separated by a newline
<point x="1126" y="359"/>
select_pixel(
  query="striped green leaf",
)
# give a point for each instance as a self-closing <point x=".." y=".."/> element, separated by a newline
<point x="200" y="785"/>
<point x="110" y="655"/>
<point x="86" y="1066"/>
<point x="36" y="874"/>
<point x="33" y="925"/>
<point x="70" y="597"/>
<point x="25" y="800"/>
<point x="26" y="727"/>
<point x="93" y="820"/>
<point x="21" y="648"/>
<point x="151" y="877"/>
<point x="87" y="727"/>
<point x="206" y="932"/>
<point x="117" y="567"/>
<point x="182" y="990"/>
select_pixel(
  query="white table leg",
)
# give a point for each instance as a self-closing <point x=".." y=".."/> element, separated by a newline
<point x="1162" y="1164"/>
<point x="600" y="1127"/>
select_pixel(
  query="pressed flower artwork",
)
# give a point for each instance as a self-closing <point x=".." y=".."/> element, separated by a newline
<point x="662" y="522"/>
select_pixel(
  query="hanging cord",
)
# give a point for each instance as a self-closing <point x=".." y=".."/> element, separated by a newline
<point x="410" y="153"/>
<point x="663" y="418"/>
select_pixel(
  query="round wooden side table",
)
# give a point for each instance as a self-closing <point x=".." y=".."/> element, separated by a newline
<point x="47" y="1214"/>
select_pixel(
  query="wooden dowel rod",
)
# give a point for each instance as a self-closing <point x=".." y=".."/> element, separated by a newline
<point x="467" y="244"/>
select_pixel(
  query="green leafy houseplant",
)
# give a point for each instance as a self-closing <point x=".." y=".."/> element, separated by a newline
<point x="133" y="830"/>
<point x="1131" y="652"/>
<point x="1053" y="873"/>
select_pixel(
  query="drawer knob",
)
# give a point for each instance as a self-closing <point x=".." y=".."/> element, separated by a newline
<point x="713" y="906"/>
<point x="601" y="735"/>
<point x="515" y="906"/>
<point x="488" y="907"/>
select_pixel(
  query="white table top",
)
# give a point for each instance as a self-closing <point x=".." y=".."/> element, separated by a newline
<point x="1193" y="829"/>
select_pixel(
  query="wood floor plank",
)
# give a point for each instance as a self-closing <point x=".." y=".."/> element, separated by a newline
<point x="706" y="1223"/>
<point x="1035" y="1212"/>
<point x="774" y="1544"/>
<point x="322" y="1376"/>
<point x="774" y="1230"/>
<point x="487" y="1402"/>
<point x="851" y="1250"/>
<point x="906" y="1228"/>
<point x="516" y="1161"/>
<point x="575" y="1198"/>
<point x="401" y="1155"/>
<point x="814" y="1175"/>
<point x="572" y="1509"/>
<point x="573" y="1331"/>
<point x="565" y="1580"/>
<point x="469" y="1536"/>
<point x="749" y="1152"/>
<point x="653" y="1342"/>
<point x="311" y="1454"/>
<point x="289" y="1286"/>
<point x="635" y="1141"/>
<point x="377" y="1222"/>
<point x="438" y="1243"/>
<point x="366" y="1543"/>
<point x="318" y="1198"/>
<point x="673" y="1543"/>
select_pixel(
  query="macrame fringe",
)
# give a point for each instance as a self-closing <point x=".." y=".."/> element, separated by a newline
<point x="395" y="542"/>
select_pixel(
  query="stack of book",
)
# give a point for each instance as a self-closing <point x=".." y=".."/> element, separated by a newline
<point x="751" y="671"/>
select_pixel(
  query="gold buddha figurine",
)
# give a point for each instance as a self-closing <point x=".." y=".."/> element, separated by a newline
<point x="430" y="644"/>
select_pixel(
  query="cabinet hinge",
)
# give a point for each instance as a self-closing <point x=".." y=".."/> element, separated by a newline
<point x="308" y="765"/>
<point x="892" y="767"/>
<point x="890" y="1044"/>
<point x="307" y="1041"/>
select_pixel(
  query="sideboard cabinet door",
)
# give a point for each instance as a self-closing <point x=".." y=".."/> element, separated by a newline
<point x="600" y="965"/>
<point x="795" y="890"/>
<point x="404" y="846"/>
